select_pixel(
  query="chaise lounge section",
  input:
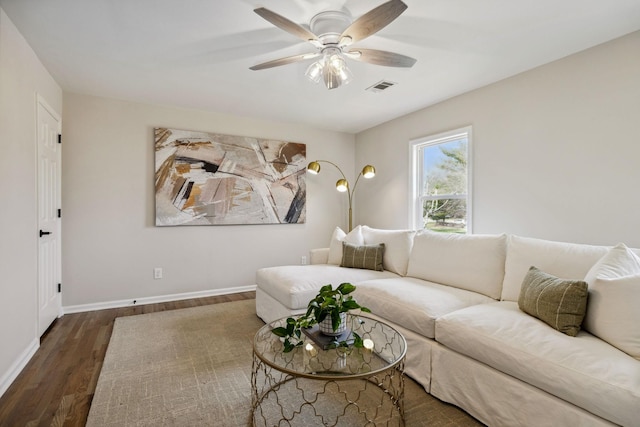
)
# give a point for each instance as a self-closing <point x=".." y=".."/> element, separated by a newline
<point x="458" y="301"/>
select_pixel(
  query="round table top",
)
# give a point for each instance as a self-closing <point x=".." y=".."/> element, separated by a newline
<point x="384" y="348"/>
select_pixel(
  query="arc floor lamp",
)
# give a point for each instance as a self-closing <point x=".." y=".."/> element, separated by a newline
<point x="342" y="185"/>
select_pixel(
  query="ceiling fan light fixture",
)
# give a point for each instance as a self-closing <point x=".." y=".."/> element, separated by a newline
<point x="330" y="78"/>
<point x="345" y="76"/>
<point x="335" y="72"/>
<point x="314" y="71"/>
<point x="336" y="61"/>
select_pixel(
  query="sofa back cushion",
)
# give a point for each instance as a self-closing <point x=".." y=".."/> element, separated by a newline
<point x="563" y="260"/>
<point x="474" y="262"/>
<point x="397" y="244"/>
<point x="335" y="246"/>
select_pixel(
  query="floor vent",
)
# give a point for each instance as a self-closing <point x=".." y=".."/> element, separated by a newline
<point x="380" y="86"/>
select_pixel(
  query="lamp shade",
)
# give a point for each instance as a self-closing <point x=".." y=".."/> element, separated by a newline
<point x="335" y="72"/>
<point x="368" y="171"/>
<point x="314" y="72"/>
<point x="314" y="168"/>
<point x="342" y="185"/>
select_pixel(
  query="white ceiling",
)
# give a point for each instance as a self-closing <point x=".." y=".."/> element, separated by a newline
<point x="197" y="53"/>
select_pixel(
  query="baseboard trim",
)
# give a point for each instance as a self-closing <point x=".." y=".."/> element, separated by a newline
<point x="154" y="300"/>
<point x="17" y="367"/>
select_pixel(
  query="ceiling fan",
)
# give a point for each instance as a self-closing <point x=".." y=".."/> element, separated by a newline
<point x="332" y="33"/>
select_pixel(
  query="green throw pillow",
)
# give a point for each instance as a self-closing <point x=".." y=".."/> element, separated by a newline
<point x="560" y="303"/>
<point x="367" y="256"/>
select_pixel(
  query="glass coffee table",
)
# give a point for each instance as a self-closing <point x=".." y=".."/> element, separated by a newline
<point x="337" y="386"/>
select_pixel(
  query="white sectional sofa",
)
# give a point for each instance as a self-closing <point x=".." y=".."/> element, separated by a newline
<point x="455" y="299"/>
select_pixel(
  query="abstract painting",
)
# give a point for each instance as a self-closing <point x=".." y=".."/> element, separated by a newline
<point x="213" y="179"/>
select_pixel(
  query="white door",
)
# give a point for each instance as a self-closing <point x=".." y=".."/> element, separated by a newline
<point x="49" y="201"/>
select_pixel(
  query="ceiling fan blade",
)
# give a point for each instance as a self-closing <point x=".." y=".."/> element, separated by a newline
<point x="372" y="21"/>
<point x="284" y="61"/>
<point x="381" y="57"/>
<point x="288" y="26"/>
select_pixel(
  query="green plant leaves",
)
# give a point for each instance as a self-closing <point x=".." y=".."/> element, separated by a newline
<point x="350" y="304"/>
<point x="280" y="331"/>
<point x="346" y="288"/>
<point x="325" y="288"/>
<point x="288" y="346"/>
<point x="358" y="342"/>
<point x="328" y="303"/>
<point x="335" y="320"/>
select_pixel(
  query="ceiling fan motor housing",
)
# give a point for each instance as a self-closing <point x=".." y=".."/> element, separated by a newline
<point x="329" y="25"/>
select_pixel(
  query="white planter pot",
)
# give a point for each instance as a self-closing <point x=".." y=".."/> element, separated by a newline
<point x="327" y="328"/>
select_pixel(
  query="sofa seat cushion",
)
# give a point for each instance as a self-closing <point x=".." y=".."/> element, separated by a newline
<point x="582" y="370"/>
<point x="413" y="303"/>
<point x="295" y="285"/>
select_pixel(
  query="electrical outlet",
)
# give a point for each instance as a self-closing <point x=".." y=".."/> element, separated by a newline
<point x="157" y="273"/>
<point x="303" y="260"/>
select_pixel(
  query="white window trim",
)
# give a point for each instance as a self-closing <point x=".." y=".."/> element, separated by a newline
<point x="415" y="208"/>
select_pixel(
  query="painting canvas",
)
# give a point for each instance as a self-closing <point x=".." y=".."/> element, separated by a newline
<point x="214" y="179"/>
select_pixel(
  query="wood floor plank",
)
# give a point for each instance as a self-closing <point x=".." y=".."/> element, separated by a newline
<point x="57" y="385"/>
<point x="61" y="413"/>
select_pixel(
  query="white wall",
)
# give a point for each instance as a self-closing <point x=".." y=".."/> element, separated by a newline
<point x="555" y="156"/>
<point x="21" y="77"/>
<point x="110" y="245"/>
<point x="556" y="151"/>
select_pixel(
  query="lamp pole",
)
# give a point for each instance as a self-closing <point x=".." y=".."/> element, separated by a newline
<point x="342" y="185"/>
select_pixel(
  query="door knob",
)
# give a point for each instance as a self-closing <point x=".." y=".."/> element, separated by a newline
<point x="44" y="233"/>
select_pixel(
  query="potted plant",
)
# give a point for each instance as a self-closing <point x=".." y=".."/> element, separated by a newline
<point x="328" y="309"/>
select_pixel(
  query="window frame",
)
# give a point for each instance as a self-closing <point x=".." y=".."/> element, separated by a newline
<point x="416" y="170"/>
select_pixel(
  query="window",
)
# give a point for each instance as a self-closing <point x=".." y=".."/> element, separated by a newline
<point x="440" y="182"/>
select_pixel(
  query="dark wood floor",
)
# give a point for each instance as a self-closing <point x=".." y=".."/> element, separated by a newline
<point x="57" y="385"/>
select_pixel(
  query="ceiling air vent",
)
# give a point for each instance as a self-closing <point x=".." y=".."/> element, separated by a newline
<point x="380" y="86"/>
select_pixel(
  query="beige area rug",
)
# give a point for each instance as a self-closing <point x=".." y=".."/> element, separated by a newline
<point x="192" y="367"/>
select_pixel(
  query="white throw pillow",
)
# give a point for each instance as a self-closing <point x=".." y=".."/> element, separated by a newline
<point x="335" y="246"/>
<point x="619" y="261"/>
<point x="613" y="312"/>
<point x="398" y="244"/>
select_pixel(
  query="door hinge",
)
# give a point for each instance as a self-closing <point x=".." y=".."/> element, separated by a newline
<point x="59" y="287"/>
<point x="59" y="138"/>
<point x="59" y="213"/>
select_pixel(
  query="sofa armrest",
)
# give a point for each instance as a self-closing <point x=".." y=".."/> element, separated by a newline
<point x="319" y="256"/>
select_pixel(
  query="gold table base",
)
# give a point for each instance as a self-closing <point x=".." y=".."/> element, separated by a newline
<point x="285" y="399"/>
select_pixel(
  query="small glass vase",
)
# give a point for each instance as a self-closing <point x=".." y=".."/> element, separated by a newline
<point x="327" y="328"/>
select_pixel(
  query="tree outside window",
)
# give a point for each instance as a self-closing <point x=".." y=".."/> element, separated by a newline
<point x="441" y="186"/>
